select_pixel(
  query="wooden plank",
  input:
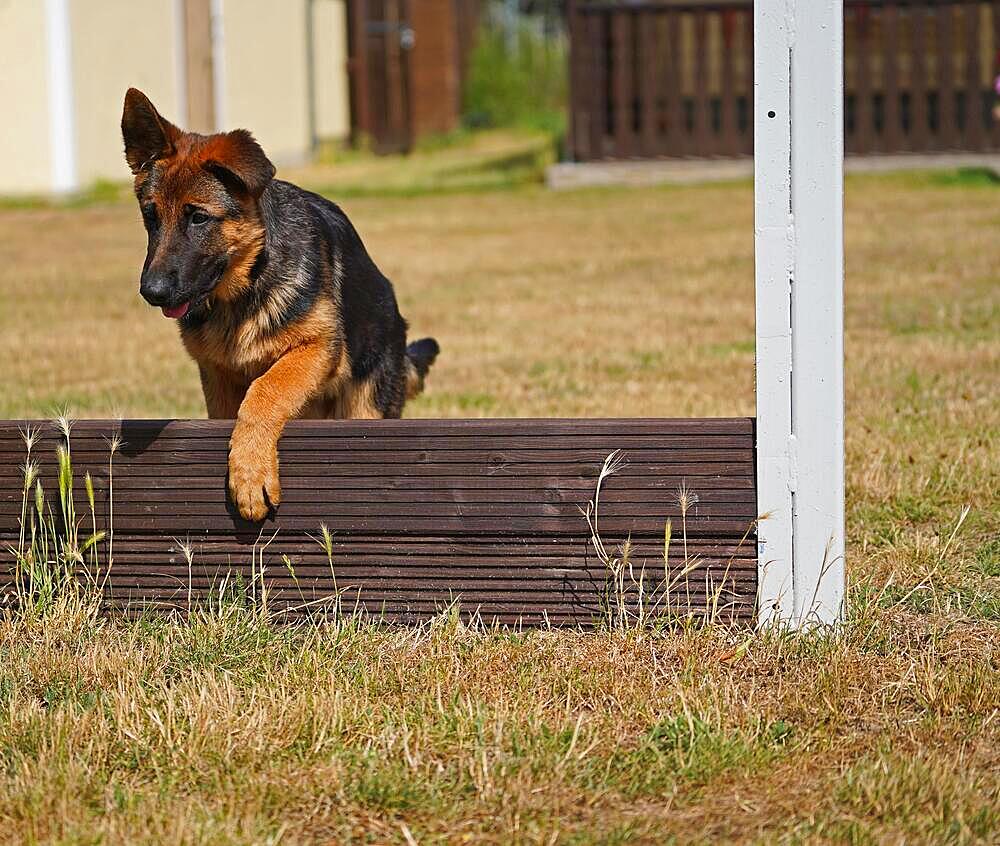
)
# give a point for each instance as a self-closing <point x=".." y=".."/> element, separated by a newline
<point x="679" y="139"/>
<point x="638" y="484"/>
<point x="947" y="135"/>
<point x="920" y="128"/>
<point x="313" y="571"/>
<point x="423" y="513"/>
<point x="994" y="8"/>
<point x="648" y="525"/>
<point x="572" y="596"/>
<point x="728" y="142"/>
<point x="677" y="449"/>
<point x="496" y="461"/>
<point x="623" y="84"/>
<point x="481" y="550"/>
<point x="381" y="429"/>
<point x="894" y="140"/>
<point x="544" y="501"/>
<point x="598" y="86"/>
<point x="210" y="491"/>
<point x="704" y="138"/>
<point x="400" y="583"/>
<point x="864" y="124"/>
<point x="464" y="517"/>
<point x="382" y="580"/>
<point x="696" y="476"/>
<point x="391" y="572"/>
<point x="973" y="131"/>
<point x="650" y="79"/>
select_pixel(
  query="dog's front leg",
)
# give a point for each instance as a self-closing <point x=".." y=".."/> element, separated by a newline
<point x="271" y="401"/>
<point x="223" y="392"/>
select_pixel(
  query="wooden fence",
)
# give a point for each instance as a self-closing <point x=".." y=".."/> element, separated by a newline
<point x="422" y="513"/>
<point x="407" y="65"/>
<point x="675" y="79"/>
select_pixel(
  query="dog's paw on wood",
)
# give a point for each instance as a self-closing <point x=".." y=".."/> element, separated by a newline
<point x="253" y="472"/>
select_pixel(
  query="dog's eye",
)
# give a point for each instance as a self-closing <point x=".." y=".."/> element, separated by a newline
<point x="199" y="218"/>
<point x="149" y="216"/>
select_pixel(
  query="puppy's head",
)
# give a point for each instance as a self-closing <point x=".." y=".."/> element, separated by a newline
<point x="200" y="201"/>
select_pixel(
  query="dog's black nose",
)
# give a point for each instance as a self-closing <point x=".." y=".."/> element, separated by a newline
<point x="159" y="289"/>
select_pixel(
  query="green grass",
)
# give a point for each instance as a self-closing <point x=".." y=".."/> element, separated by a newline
<point x="526" y="87"/>
<point x="463" y="162"/>
<point x="229" y="728"/>
<point x="101" y="192"/>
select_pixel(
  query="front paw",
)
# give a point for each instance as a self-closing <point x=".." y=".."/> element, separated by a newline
<point x="253" y="472"/>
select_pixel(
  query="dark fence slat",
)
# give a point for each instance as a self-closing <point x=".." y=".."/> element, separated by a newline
<point x="680" y="144"/>
<point x="623" y="87"/>
<point x="920" y="130"/>
<point x="645" y="485"/>
<point x="947" y="133"/>
<point x="864" y="129"/>
<point x="701" y="96"/>
<point x="892" y="123"/>
<point x="382" y="430"/>
<point x="596" y="83"/>
<point x="486" y="548"/>
<point x="650" y="78"/>
<point x="665" y="498"/>
<point x="728" y="134"/>
<point x="973" y="94"/>
<point x="994" y="9"/>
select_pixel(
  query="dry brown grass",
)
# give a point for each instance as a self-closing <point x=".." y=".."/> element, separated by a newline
<point x="596" y="303"/>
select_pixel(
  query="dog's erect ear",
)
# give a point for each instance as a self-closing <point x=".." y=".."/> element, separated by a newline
<point x="148" y="136"/>
<point x="239" y="163"/>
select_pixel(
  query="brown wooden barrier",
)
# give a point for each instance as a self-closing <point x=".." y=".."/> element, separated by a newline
<point x="422" y="513"/>
<point x="674" y="78"/>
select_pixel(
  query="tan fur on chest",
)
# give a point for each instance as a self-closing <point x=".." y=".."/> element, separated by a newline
<point x="247" y="349"/>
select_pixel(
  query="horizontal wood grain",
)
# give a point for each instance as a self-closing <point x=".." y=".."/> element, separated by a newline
<point x="488" y="513"/>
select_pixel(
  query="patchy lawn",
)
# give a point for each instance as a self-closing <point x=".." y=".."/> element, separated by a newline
<point x="597" y="303"/>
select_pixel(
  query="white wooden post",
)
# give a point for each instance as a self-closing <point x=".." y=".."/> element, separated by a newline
<point x="798" y="187"/>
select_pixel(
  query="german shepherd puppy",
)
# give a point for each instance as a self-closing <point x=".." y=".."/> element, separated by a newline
<point x="277" y="299"/>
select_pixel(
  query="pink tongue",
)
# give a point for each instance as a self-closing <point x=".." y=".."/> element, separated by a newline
<point x="176" y="313"/>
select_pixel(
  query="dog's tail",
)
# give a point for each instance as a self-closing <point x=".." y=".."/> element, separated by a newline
<point x="420" y="356"/>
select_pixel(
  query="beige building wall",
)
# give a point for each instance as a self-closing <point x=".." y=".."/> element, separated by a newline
<point x="333" y="110"/>
<point x="264" y="75"/>
<point x="261" y="79"/>
<point x="116" y="45"/>
<point x="25" y="165"/>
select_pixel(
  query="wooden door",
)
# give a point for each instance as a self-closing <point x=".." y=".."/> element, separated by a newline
<point x="380" y="40"/>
